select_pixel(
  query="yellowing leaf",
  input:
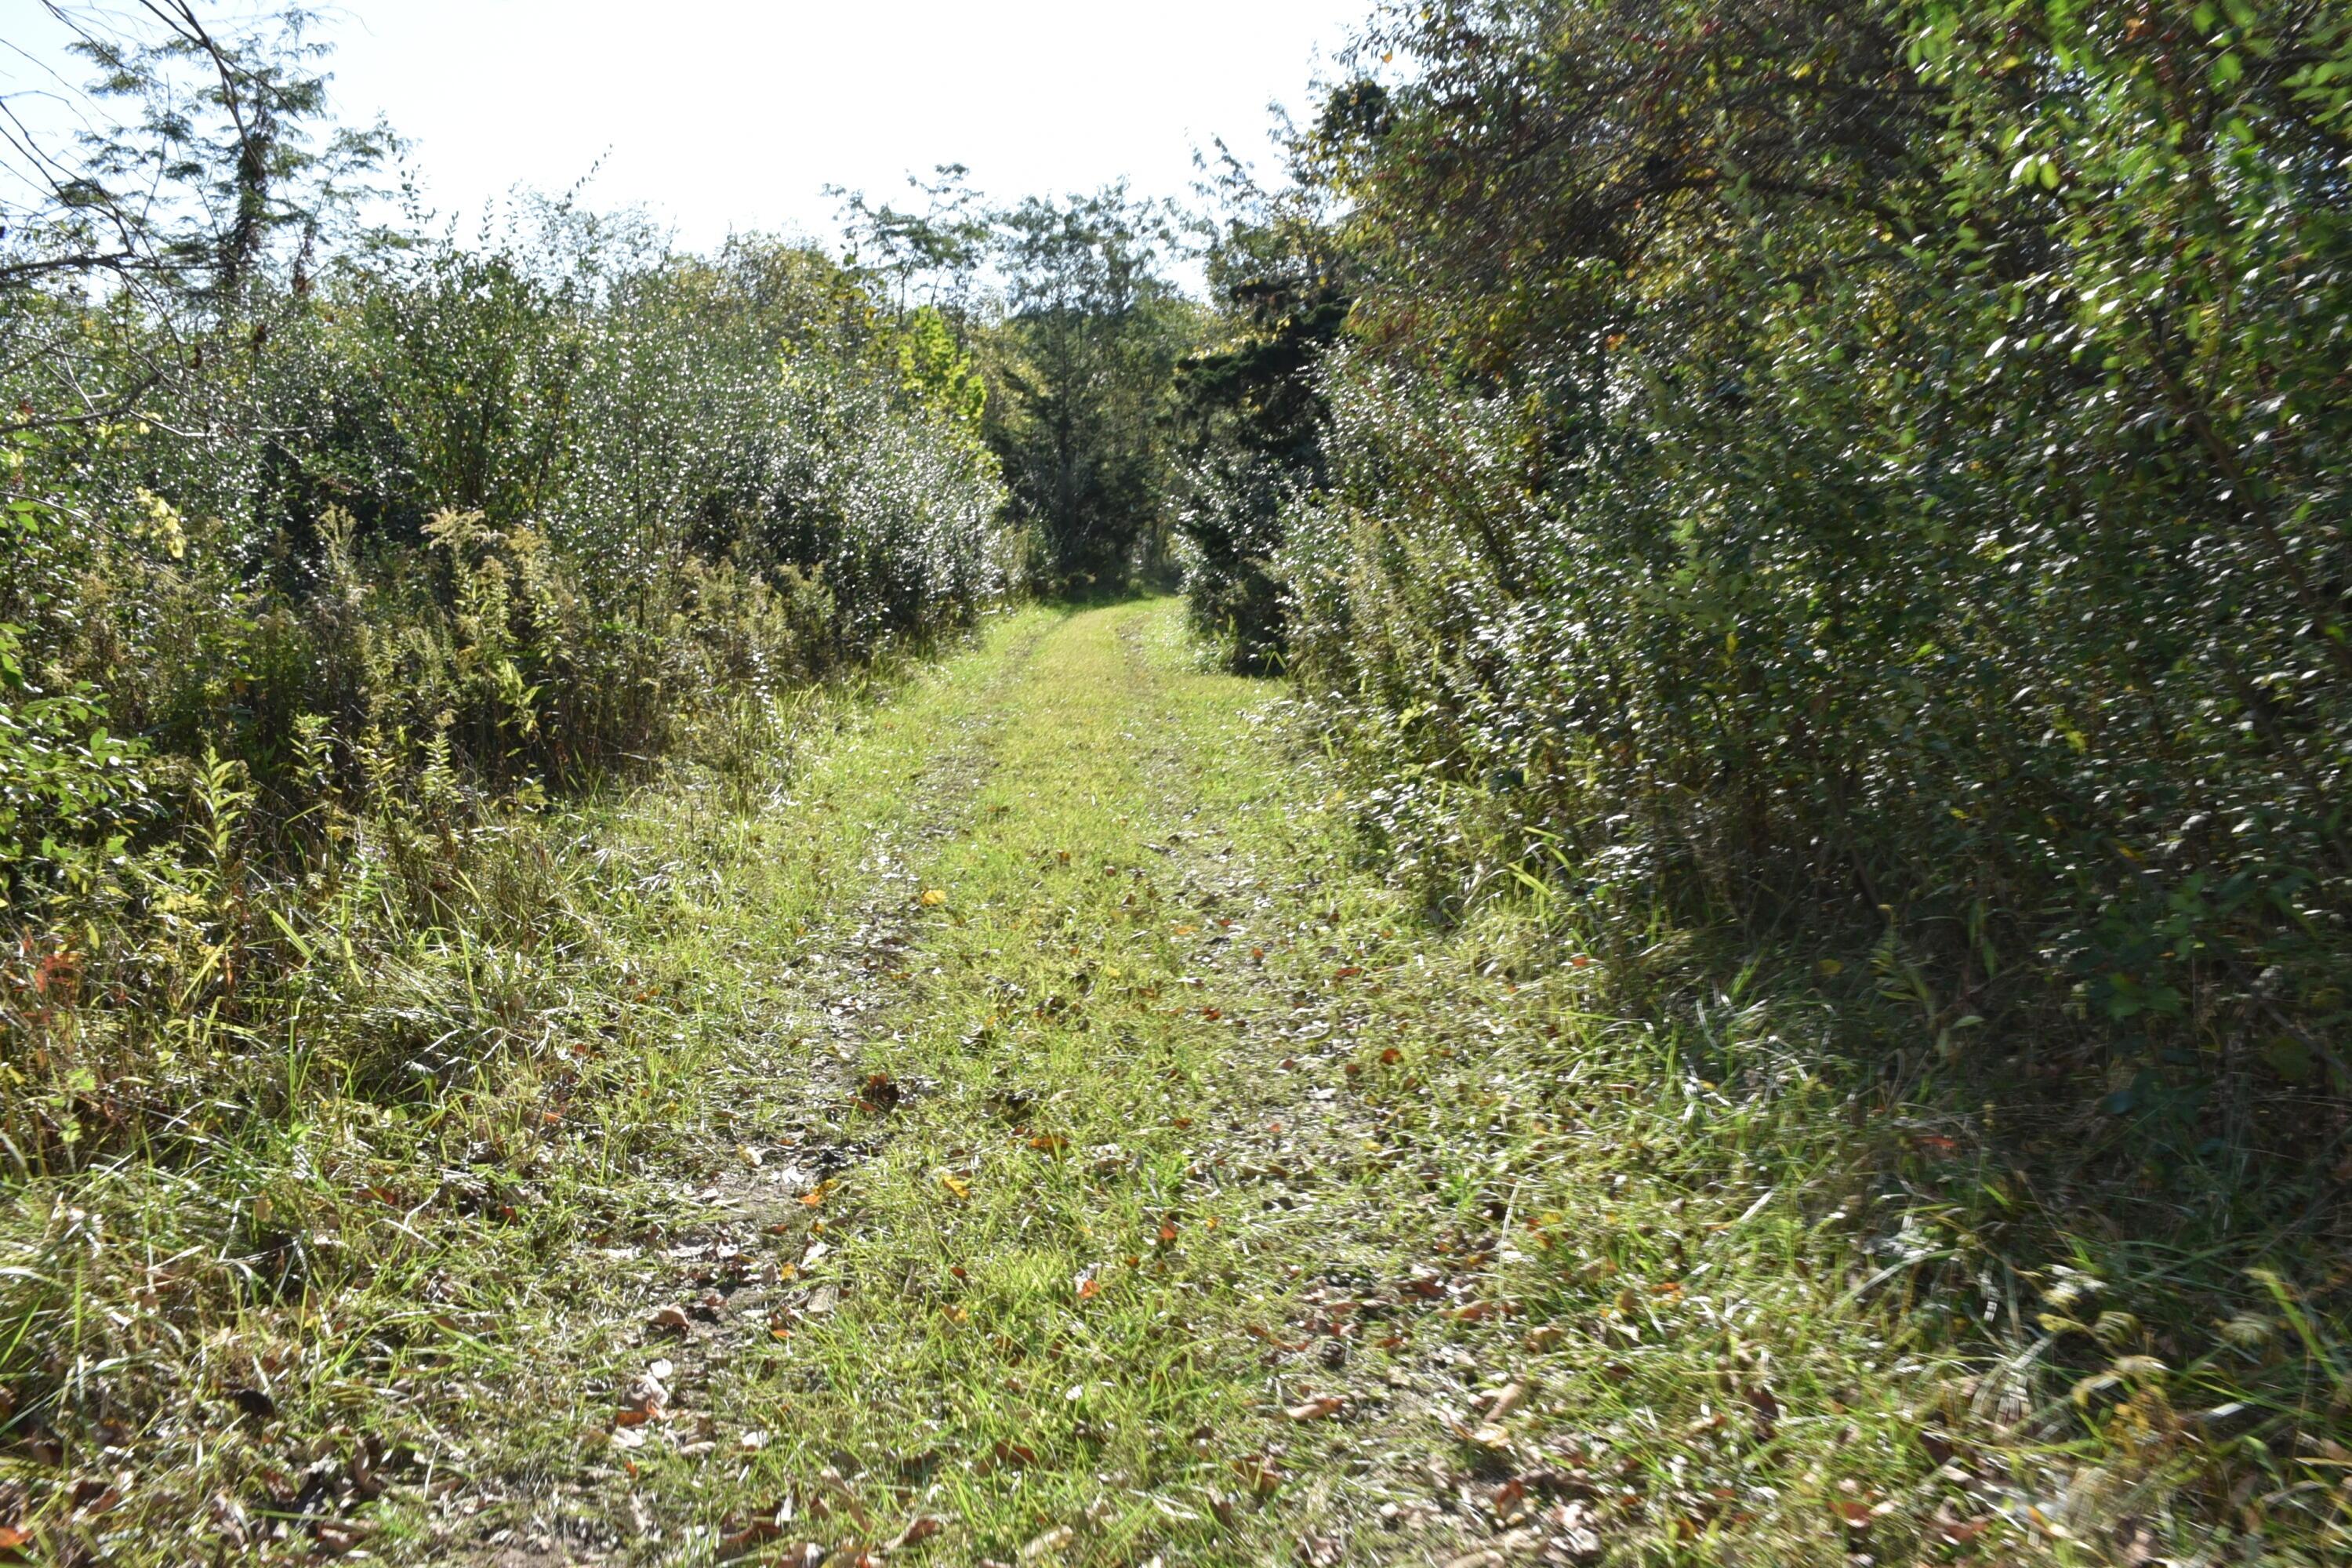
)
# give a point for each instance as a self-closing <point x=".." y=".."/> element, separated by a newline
<point x="955" y="1187"/>
<point x="933" y="898"/>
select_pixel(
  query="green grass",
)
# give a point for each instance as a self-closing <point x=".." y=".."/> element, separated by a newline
<point x="1023" y="1129"/>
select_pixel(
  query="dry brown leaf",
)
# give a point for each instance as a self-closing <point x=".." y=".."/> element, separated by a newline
<point x="922" y="1528"/>
<point x="1316" y="1407"/>
<point x="750" y="1539"/>
<point x="1259" y="1473"/>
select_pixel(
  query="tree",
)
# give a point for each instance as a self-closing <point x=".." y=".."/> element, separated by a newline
<point x="1086" y="359"/>
<point x="168" y="214"/>
<point x="1250" y="410"/>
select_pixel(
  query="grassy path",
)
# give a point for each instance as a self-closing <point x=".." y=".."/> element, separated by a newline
<point x="1105" y="1169"/>
<point x="1023" y="1131"/>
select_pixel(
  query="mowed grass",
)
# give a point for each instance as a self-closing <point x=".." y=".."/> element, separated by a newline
<point x="1024" y="1130"/>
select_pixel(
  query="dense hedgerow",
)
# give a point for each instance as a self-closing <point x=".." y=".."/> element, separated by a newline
<point x="446" y="525"/>
<point x="1877" y="464"/>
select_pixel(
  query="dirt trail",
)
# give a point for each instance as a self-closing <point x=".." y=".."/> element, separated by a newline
<point x="1107" y="1169"/>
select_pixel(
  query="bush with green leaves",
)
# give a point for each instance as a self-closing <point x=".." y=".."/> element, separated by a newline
<point x="1880" y="464"/>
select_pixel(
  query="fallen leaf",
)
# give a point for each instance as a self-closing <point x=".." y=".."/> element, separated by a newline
<point x="12" y="1539"/>
<point x="752" y="1442"/>
<point x="671" y="1319"/>
<point x="1259" y="1473"/>
<point x="337" y="1537"/>
<point x="922" y="1528"/>
<point x="1511" y="1396"/>
<point x="750" y="1539"/>
<point x="955" y="1187"/>
<point x="1573" y="1524"/>
<point x="1061" y="1538"/>
<point x="933" y="898"/>
<point x="1316" y="1407"/>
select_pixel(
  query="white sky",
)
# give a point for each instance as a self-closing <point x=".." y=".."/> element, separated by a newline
<point x="719" y="114"/>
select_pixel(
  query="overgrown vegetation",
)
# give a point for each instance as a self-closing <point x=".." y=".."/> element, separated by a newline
<point x="331" y="560"/>
<point x="1777" y="994"/>
<point x="1851" y="498"/>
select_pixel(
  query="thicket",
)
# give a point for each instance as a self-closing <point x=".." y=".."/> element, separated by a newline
<point x="1838" y="512"/>
<point x="328" y="549"/>
<point x="1250" y="409"/>
<point x="1074" y="332"/>
<point x="1874" y="467"/>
